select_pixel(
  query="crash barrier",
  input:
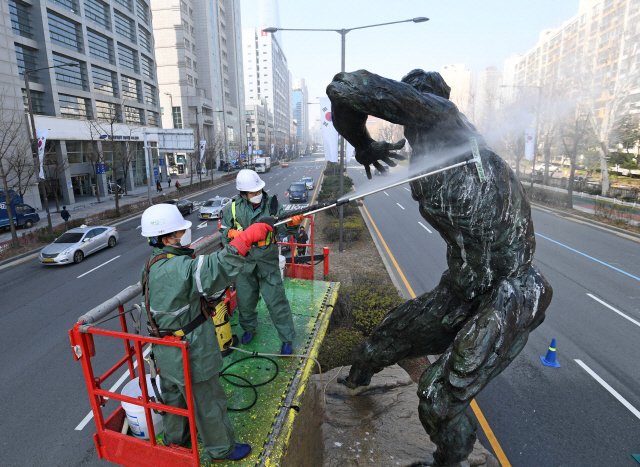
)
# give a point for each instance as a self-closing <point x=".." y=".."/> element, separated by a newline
<point x="312" y="303"/>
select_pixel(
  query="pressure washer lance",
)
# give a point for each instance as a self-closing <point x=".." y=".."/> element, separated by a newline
<point x="329" y="204"/>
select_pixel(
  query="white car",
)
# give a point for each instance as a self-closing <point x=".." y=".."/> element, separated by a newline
<point x="73" y="245"/>
<point x="214" y="208"/>
<point x="308" y="181"/>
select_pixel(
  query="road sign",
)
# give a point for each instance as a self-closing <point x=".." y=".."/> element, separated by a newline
<point x="156" y="174"/>
<point x="100" y="168"/>
<point x="175" y="140"/>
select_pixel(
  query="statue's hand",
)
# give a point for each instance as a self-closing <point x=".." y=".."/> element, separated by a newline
<point x="379" y="151"/>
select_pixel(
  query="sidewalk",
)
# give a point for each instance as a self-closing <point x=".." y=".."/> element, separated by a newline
<point x="88" y="205"/>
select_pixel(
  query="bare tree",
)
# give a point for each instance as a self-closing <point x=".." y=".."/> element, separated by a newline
<point x="25" y="171"/>
<point x="54" y="167"/>
<point x="15" y="152"/>
<point x="574" y="132"/>
<point x="96" y="156"/>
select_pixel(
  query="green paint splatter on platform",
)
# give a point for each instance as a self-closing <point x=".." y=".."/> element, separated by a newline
<point x="254" y="426"/>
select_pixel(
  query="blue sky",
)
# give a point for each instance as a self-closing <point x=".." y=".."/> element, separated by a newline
<point x="476" y="33"/>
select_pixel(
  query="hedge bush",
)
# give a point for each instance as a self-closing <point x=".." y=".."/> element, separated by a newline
<point x="358" y="310"/>
<point x="352" y="228"/>
<point x="336" y="348"/>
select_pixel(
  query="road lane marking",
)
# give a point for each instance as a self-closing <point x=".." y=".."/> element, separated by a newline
<point x="612" y="391"/>
<point x="627" y="237"/>
<point x="590" y="257"/>
<point x="613" y="309"/>
<point x="425" y="227"/>
<point x="138" y="227"/>
<point x="201" y="225"/>
<point x="113" y="388"/>
<point x="196" y="241"/>
<point x="476" y="409"/>
<point x="400" y="206"/>
<point x="490" y="436"/>
<point x="98" y="267"/>
<point x="406" y="188"/>
<point x="386" y="193"/>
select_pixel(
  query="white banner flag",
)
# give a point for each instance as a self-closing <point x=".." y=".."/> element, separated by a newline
<point x="529" y="143"/>
<point x="203" y="143"/>
<point x="350" y="151"/>
<point x="329" y="133"/>
<point x="42" y="141"/>
<point x="272" y="148"/>
<point x="250" y="147"/>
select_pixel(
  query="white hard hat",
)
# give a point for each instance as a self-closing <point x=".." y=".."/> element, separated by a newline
<point x="248" y="180"/>
<point x="162" y="219"/>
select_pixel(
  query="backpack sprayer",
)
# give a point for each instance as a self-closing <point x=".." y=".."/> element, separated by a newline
<point x="339" y="202"/>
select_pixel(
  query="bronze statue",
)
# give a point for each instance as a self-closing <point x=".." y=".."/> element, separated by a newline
<point x="480" y="315"/>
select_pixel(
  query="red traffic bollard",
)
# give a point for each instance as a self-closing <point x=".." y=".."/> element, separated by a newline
<point x="325" y="252"/>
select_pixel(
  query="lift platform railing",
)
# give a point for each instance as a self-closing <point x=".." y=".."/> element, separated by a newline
<point x="297" y="267"/>
<point x="111" y="443"/>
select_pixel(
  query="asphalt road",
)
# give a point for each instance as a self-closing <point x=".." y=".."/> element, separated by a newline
<point x="545" y="416"/>
<point x="44" y="395"/>
<point x="540" y="416"/>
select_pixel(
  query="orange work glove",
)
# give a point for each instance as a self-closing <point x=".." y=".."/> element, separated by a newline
<point x="249" y="236"/>
<point x="233" y="233"/>
<point x="295" y="220"/>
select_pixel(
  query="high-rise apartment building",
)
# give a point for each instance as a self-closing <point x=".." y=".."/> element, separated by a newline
<point x="596" y="48"/>
<point x="301" y="112"/>
<point x="109" y="77"/>
<point x="267" y="81"/>
<point x="198" y="47"/>
<point x="459" y="80"/>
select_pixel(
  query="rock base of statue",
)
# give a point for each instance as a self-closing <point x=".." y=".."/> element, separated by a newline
<point x="377" y="425"/>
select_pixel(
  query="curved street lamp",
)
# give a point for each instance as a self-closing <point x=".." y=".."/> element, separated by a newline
<point x="343" y="34"/>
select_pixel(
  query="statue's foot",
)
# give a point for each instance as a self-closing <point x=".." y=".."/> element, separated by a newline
<point x="357" y="378"/>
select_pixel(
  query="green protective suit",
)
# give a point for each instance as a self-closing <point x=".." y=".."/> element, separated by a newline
<point x="261" y="271"/>
<point x="175" y="287"/>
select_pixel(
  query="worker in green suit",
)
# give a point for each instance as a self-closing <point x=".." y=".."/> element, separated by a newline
<point x="261" y="271"/>
<point x="174" y="287"/>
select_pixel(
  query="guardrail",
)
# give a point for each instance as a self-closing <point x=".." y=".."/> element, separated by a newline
<point x="203" y="247"/>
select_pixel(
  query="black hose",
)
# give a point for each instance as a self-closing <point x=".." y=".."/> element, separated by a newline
<point x="249" y="383"/>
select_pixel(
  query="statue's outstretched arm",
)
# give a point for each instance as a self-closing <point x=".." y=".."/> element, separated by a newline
<point x="355" y="96"/>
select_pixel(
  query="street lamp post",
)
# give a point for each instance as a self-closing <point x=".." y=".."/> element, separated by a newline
<point x="343" y="34"/>
<point x="34" y="147"/>
<point x="535" y="148"/>
<point x="198" y="143"/>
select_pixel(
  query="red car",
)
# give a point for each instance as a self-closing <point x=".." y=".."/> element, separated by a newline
<point x="284" y="164"/>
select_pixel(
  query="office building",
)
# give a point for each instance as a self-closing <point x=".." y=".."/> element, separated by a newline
<point x="109" y="77"/>
<point x="267" y="81"/>
<point x="198" y="47"/>
<point x="459" y="80"/>
<point x="486" y="100"/>
<point x="300" y="97"/>
<point x="259" y="129"/>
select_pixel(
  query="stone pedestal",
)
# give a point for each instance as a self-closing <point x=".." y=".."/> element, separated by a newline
<point x="377" y="425"/>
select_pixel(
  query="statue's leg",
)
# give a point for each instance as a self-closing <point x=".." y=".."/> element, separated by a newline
<point x="422" y="326"/>
<point x="487" y="343"/>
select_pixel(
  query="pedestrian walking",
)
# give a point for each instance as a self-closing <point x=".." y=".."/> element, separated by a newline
<point x="65" y="215"/>
<point x="158" y="186"/>
<point x="168" y="181"/>
<point x="302" y="238"/>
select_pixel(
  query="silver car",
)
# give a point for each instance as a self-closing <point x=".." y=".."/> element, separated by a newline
<point x="214" y="208"/>
<point x="308" y="181"/>
<point x="73" y="245"/>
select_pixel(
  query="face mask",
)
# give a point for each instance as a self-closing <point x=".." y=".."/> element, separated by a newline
<point x="256" y="199"/>
<point x="185" y="241"/>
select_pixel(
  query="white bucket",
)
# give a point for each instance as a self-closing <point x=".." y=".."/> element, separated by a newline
<point x="135" y="413"/>
<point x="282" y="263"/>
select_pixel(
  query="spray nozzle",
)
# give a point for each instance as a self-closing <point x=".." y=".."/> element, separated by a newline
<point x="476" y="159"/>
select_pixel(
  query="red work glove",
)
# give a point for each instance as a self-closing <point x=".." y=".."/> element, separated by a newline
<point x="233" y="233"/>
<point x="295" y="220"/>
<point x="255" y="233"/>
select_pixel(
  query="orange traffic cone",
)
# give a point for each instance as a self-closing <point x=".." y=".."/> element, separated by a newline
<point x="219" y="224"/>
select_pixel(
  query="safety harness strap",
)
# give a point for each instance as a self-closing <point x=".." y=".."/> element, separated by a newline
<point x="159" y="333"/>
